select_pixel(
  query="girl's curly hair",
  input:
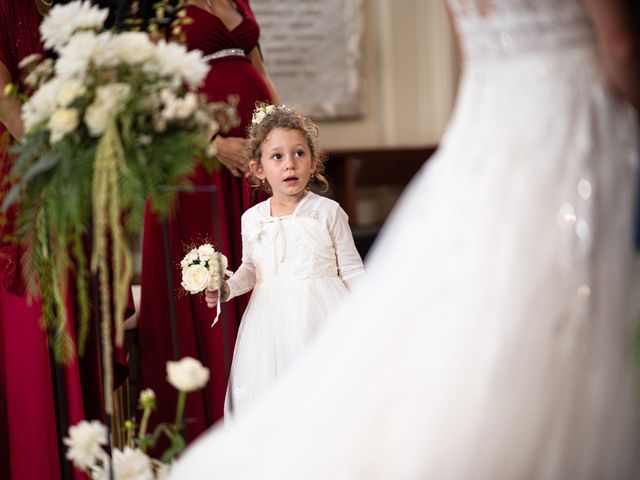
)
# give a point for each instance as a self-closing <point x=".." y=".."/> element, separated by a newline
<point x="289" y="119"/>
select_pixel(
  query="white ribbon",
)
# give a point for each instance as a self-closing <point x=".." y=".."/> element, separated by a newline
<point x="218" y="303"/>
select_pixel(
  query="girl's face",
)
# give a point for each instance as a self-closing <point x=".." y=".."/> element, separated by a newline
<point x="286" y="163"/>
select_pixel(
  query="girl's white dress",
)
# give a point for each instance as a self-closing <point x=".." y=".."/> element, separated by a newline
<point x="299" y="267"/>
<point x="491" y="339"/>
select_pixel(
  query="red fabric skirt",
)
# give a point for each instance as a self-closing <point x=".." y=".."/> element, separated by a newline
<point x="198" y="217"/>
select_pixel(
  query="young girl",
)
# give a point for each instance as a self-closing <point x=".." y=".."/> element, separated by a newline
<point x="298" y="254"/>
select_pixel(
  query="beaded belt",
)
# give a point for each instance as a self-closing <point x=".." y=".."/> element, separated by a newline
<point x="227" y="52"/>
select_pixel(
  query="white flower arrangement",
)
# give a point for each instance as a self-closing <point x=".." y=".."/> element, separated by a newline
<point x="111" y="121"/>
<point x="86" y="439"/>
<point x="203" y="268"/>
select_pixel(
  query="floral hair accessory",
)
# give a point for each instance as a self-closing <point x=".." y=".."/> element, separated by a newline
<point x="261" y="112"/>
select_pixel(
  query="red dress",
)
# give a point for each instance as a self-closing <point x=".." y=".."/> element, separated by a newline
<point x="29" y="433"/>
<point x="28" y="430"/>
<point x="195" y="220"/>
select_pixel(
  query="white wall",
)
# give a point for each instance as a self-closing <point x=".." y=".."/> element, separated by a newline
<point x="410" y="70"/>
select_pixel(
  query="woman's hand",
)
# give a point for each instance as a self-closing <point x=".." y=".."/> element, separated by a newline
<point x="233" y="153"/>
<point x="211" y="296"/>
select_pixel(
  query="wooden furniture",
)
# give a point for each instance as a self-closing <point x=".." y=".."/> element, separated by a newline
<point x="350" y="170"/>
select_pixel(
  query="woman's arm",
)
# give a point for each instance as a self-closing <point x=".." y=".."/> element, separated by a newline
<point x="9" y="107"/>
<point x="256" y="59"/>
<point x="618" y="40"/>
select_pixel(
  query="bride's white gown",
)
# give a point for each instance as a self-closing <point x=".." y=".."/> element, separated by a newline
<point x="491" y="339"/>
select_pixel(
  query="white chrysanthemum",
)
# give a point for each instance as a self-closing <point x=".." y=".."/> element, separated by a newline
<point x="187" y="375"/>
<point x="84" y="442"/>
<point x="42" y="104"/>
<point x="64" y="20"/>
<point x="173" y="59"/>
<point x="133" y="47"/>
<point x="63" y="121"/>
<point x="76" y="55"/>
<point x="69" y="91"/>
<point x="131" y="464"/>
<point x="195" y="278"/>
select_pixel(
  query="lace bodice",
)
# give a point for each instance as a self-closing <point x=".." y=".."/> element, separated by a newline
<point x="495" y="28"/>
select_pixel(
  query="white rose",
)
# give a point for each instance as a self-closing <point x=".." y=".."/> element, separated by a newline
<point x="69" y="91"/>
<point x="84" y="442"/>
<point x="63" y="121"/>
<point x="131" y="464"/>
<point x="187" y="375"/>
<point x="195" y="278"/>
<point x="97" y="118"/>
<point x="133" y="47"/>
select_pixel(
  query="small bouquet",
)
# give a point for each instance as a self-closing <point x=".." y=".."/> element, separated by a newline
<point x="204" y="269"/>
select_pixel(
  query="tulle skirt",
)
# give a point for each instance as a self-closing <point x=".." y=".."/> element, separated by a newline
<point x="280" y="321"/>
<point x="492" y="337"/>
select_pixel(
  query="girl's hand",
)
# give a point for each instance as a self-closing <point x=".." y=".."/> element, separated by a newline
<point x="233" y="154"/>
<point x="211" y="296"/>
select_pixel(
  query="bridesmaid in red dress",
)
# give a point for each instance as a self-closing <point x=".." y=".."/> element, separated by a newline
<point x="29" y="444"/>
<point x="228" y="33"/>
<point x="38" y="398"/>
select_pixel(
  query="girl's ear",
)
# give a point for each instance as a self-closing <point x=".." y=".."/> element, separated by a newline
<point x="314" y="163"/>
<point x="256" y="169"/>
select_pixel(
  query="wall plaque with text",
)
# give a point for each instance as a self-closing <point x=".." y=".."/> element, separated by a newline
<point x="312" y="50"/>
